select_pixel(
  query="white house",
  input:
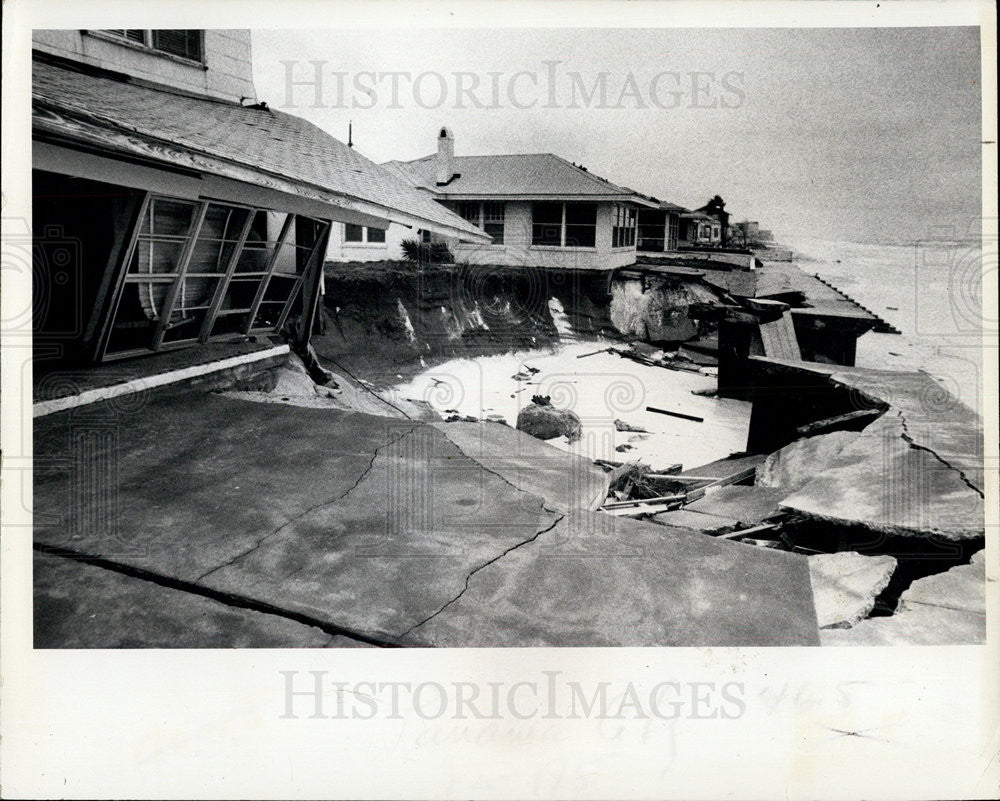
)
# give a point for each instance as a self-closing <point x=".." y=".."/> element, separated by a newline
<point x="171" y="209"/>
<point x="539" y="209"/>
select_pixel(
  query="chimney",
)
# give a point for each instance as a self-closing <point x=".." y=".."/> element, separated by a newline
<point x="445" y="155"/>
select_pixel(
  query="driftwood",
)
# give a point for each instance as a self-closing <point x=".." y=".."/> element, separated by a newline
<point x="681" y="415"/>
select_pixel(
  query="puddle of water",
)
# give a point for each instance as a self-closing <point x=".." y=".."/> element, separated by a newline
<point x="599" y="388"/>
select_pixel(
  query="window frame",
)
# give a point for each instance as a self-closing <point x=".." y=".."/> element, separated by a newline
<point x="564" y="225"/>
<point x="624" y="226"/>
<point x="474" y="212"/>
<point x="365" y="240"/>
<point x="305" y="270"/>
<point x="146" y="46"/>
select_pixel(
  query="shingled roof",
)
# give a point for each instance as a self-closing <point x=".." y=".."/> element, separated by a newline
<point x="526" y="176"/>
<point x="252" y="144"/>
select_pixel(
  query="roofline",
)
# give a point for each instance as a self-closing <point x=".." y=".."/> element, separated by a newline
<point x="333" y="197"/>
<point x="556" y="196"/>
<point x="618" y="193"/>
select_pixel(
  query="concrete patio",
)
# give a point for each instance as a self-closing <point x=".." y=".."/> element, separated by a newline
<point x="210" y="521"/>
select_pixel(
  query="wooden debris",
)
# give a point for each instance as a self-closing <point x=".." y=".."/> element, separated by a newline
<point x="735" y="535"/>
<point x="839" y="422"/>
<point x="681" y="415"/>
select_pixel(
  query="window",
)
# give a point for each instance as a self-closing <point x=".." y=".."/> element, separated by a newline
<point x="623" y="226"/>
<point x="581" y="225"/>
<point x="200" y="270"/>
<point x="359" y="234"/>
<point x="493" y="218"/>
<point x="569" y="225"/>
<point x="186" y="44"/>
<point x="487" y="215"/>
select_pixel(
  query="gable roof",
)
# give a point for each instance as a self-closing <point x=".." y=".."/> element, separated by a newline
<point x="252" y="144"/>
<point x="532" y="176"/>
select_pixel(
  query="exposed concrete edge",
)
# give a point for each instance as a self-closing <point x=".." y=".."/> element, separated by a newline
<point x="89" y="396"/>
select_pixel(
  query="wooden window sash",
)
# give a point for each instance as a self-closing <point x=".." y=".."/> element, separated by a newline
<point x="223" y="287"/>
<point x="170" y="301"/>
<point x="286" y="229"/>
<point x="104" y="334"/>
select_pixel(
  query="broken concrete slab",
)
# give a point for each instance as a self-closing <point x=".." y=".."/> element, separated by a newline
<point x="78" y="605"/>
<point x="595" y="580"/>
<point x="393" y="550"/>
<point x="916" y="471"/>
<point x="943" y="609"/>
<point x="883" y="483"/>
<point x="846" y="584"/>
<point x="565" y="480"/>
<point x="373" y="525"/>
<point x="799" y="462"/>
<point x="697" y="521"/>
<point x="962" y="588"/>
<point x="748" y="505"/>
<point x="185" y="482"/>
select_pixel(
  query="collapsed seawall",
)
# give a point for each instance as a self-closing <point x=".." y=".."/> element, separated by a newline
<point x="385" y="319"/>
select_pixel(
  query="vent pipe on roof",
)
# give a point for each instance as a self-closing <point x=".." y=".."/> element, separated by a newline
<point x="445" y="156"/>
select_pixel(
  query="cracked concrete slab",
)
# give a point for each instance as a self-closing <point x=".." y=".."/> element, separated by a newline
<point x="916" y="471"/>
<point x="83" y="606"/>
<point x="398" y="546"/>
<point x="565" y="480"/>
<point x="942" y="609"/>
<point x="846" y="584"/>
<point x="373" y="525"/>
<point x="596" y="580"/>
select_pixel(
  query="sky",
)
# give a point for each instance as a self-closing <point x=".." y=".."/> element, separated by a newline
<point x="867" y="135"/>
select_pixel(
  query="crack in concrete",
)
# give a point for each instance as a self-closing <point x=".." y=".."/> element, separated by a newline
<point x="908" y="438"/>
<point x="475" y="570"/>
<point x="226" y="598"/>
<point x="502" y="477"/>
<point x="311" y="509"/>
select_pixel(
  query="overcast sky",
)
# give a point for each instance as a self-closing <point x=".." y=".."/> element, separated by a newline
<point x="859" y="134"/>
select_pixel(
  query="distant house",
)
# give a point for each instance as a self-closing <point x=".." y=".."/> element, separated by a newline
<point x="699" y="229"/>
<point x="538" y="209"/>
<point x="715" y="215"/>
<point x="171" y="209"/>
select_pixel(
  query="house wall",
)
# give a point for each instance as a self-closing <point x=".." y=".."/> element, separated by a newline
<point x="226" y="73"/>
<point x="390" y="250"/>
<point x="516" y="249"/>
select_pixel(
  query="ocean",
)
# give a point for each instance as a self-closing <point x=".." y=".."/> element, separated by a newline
<point x="931" y="291"/>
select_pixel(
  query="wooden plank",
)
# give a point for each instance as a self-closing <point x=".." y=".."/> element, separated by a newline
<point x="735" y="535"/>
<point x="734" y="478"/>
<point x="779" y="338"/>
<point x="838" y="421"/>
<point x="681" y="415"/>
<point x="643" y="509"/>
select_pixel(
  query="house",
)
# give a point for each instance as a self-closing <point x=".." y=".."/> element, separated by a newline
<point x="538" y="209"/>
<point x="172" y="209"/>
<point x="708" y="225"/>
<point x="659" y="228"/>
<point x="699" y="229"/>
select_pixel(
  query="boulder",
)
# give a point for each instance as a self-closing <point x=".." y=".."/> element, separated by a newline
<point x="801" y="461"/>
<point x="548" y="422"/>
<point x="846" y="584"/>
